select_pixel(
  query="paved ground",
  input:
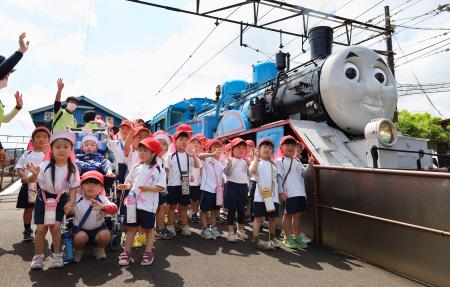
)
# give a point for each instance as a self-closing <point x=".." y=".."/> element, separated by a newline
<point x="188" y="262"/>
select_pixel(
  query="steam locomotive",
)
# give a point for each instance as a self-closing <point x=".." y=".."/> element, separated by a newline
<point x="339" y="105"/>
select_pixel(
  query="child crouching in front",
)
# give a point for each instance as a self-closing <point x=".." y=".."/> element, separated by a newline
<point x="265" y="202"/>
<point x="145" y="181"/>
<point x="89" y="213"/>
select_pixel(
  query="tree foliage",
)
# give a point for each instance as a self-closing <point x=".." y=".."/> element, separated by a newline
<point x="421" y="126"/>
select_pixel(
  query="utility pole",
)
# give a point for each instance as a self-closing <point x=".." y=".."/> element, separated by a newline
<point x="389" y="30"/>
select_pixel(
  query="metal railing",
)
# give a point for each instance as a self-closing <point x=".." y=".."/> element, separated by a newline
<point x="7" y="167"/>
<point x="396" y="219"/>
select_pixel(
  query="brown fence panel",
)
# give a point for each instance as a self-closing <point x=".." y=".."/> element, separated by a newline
<point x="399" y="220"/>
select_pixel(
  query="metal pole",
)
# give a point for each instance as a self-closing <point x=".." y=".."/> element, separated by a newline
<point x="389" y="30"/>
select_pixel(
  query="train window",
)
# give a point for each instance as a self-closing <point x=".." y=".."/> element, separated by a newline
<point x="175" y="117"/>
<point x="160" y="125"/>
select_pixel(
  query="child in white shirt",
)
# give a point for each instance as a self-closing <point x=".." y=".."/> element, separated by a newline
<point x="56" y="178"/>
<point x="178" y="166"/>
<point x="145" y="181"/>
<point x="89" y="216"/>
<point x="266" y="202"/>
<point x="211" y="188"/>
<point x="292" y="191"/>
<point x="28" y="191"/>
<point x="236" y="190"/>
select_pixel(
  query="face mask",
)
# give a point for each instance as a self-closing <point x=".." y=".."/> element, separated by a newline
<point x="71" y="107"/>
<point x="3" y="83"/>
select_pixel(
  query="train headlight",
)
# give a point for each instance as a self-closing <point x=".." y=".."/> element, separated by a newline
<point x="383" y="129"/>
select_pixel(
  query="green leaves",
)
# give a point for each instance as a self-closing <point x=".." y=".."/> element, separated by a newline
<point x="421" y="126"/>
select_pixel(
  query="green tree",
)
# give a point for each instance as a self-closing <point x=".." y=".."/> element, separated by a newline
<point x="421" y="126"/>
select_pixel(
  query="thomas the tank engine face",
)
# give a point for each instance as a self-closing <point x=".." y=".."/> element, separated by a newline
<point x="356" y="86"/>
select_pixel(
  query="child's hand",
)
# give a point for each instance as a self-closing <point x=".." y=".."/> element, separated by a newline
<point x="217" y="153"/>
<point x="60" y="84"/>
<point x="123" y="186"/>
<point x="68" y="208"/>
<point x="110" y="174"/>
<point x="145" y="187"/>
<point x="283" y="196"/>
<point x="310" y="161"/>
<point x="23" y="47"/>
<point x="33" y="168"/>
<point x="256" y="154"/>
<point x="96" y="204"/>
<point x="19" y="100"/>
<point x="229" y="160"/>
<point x="24" y="179"/>
<point x="190" y="152"/>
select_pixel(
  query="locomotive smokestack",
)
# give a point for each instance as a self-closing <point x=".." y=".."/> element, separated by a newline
<point x="320" y="41"/>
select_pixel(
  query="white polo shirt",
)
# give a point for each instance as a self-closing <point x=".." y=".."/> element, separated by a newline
<point x="295" y="184"/>
<point x="174" y="170"/>
<point x="30" y="157"/>
<point x="140" y="175"/>
<point x="95" y="218"/>
<point x="266" y="177"/>
<point x="239" y="171"/>
<point x="45" y="178"/>
<point x="212" y="170"/>
<point x="132" y="159"/>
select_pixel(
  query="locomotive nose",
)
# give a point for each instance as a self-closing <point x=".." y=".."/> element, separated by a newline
<point x="372" y="97"/>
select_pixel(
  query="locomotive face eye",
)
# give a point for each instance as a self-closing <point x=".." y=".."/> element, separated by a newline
<point x="380" y="75"/>
<point x="351" y="71"/>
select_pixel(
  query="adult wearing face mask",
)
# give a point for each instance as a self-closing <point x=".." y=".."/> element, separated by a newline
<point x="6" y="68"/>
<point x="63" y="118"/>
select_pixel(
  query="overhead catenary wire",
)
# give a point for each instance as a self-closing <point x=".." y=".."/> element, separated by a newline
<point x="417" y="80"/>
<point x="216" y="54"/>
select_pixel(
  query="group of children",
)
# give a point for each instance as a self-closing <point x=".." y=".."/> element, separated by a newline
<point x="160" y="176"/>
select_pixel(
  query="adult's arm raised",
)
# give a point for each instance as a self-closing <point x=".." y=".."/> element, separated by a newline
<point x="7" y="65"/>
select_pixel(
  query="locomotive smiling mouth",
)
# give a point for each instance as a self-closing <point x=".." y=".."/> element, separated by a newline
<point x="373" y="108"/>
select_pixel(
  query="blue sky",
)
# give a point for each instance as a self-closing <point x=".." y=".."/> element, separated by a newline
<point x="133" y="49"/>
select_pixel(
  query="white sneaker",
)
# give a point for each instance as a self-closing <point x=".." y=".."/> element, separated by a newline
<point x="78" y="254"/>
<point x="58" y="260"/>
<point x="241" y="234"/>
<point x="305" y="238"/>
<point x="186" y="231"/>
<point x="275" y="243"/>
<point x="231" y="237"/>
<point x="37" y="262"/>
<point x="100" y="253"/>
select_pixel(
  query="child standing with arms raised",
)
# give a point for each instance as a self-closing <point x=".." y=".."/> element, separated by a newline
<point x="265" y="202"/>
<point x="292" y="190"/>
<point x="236" y="191"/>
<point x="55" y="177"/>
<point x="28" y="191"/>
<point x="178" y="165"/>
<point x="145" y="181"/>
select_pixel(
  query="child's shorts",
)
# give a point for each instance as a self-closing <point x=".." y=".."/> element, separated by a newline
<point x="144" y="219"/>
<point x="208" y="201"/>
<point x="195" y="192"/>
<point x="39" y="207"/>
<point x="295" y="204"/>
<point x="259" y="210"/>
<point x="93" y="233"/>
<point x="176" y="196"/>
<point x="163" y="198"/>
<point x="22" y="198"/>
<point x="235" y="196"/>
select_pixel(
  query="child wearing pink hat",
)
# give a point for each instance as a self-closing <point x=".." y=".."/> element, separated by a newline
<point x="59" y="181"/>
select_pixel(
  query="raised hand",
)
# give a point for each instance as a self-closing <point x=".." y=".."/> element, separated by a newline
<point x="60" y="84"/>
<point x="23" y="47"/>
<point x="229" y="160"/>
<point x="123" y="186"/>
<point x="19" y="101"/>
<point x="33" y="168"/>
<point x="110" y="174"/>
<point x="310" y="160"/>
<point x="96" y="204"/>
